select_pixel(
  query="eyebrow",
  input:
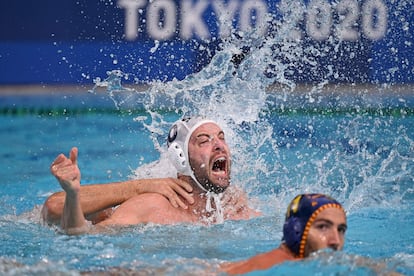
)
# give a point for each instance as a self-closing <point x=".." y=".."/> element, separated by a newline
<point x="344" y="225"/>
<point x="323" y="220"/>
<point x="208" y="135"/>
<point x="202" y="135"/>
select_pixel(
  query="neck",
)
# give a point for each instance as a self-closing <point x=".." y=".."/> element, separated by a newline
<point x="198" y="194"/>
<point x="200" y="202"/>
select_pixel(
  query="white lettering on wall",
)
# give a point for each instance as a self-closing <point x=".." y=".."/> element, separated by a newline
<point x="192" y="21"/>
<point x="161" y="19"/>
<point x="131" y="16"/>
<point x="348" y="12"/>
<point x="225" y="15"/>
<point x="374" y="21"/>
<point x="319" y="20"/>
<point x="352" y="18"/>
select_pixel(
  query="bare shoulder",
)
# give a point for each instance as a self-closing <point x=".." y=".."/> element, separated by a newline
<point x="150" y="200"/>
<point x="146" y="203"/>
<point x="259" y="262"/>
<point x="145" y="208"/>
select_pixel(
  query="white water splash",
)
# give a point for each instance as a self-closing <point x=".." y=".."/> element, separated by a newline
<point x="242" y="98"/>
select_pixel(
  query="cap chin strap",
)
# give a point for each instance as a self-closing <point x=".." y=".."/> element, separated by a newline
<point x="207" y="187"/>
<point x="217" y="202"/>
<point x="215" y="193"/>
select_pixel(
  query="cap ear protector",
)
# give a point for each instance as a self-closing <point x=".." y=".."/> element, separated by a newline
<point x="293" y="227"/>
<point x="178" y="144"/>
<point x="177" y="141"/>
<point x="177" y="157"/>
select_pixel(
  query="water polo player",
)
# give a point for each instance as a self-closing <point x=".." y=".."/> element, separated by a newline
<point x="313" y="222"/>
<point x="199" y="152"/>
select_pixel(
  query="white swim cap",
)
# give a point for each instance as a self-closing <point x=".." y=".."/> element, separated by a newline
<point x="177" y="142"/>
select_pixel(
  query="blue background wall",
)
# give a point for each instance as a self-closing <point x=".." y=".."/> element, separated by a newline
<point x="73" y="42"/>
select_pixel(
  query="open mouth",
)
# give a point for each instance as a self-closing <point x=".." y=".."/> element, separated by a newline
<point x="219" y="165"/>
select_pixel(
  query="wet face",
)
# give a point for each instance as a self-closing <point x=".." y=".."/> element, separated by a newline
<point x="209" y="155"/>
<point x="327" y="231"/>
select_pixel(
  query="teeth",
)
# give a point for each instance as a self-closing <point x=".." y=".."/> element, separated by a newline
<point x="221" y="159"/>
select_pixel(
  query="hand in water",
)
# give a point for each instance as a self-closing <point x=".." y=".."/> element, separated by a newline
<point x="66" y="171"/>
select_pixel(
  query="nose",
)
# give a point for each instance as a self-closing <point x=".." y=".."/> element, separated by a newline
<point x="218" y="144"/>
<point x="335" y="240"/>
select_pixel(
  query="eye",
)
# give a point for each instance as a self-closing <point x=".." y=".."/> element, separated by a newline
<point x="221" y="136"/>
<point x="204" y="141"/>
<point x="322" y="226"/>
<point x="342" y="229"/>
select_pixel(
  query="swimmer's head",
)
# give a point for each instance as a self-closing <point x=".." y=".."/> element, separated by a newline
<point x="177" y="141"/>
<point x="301" y="213"/>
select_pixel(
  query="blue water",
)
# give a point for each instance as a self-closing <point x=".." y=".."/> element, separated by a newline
<point x="354" y="142"/>
<point x="363" y="157"/>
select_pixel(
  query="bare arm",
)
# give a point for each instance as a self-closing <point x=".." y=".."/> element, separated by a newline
<point x="95" y="199"/>
<point x="67" y="173"/>
<point x="98" y="197"/>
<point x="261" y="261"/>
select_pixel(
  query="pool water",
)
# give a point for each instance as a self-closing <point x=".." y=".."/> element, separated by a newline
<point x="363" y="157"/>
